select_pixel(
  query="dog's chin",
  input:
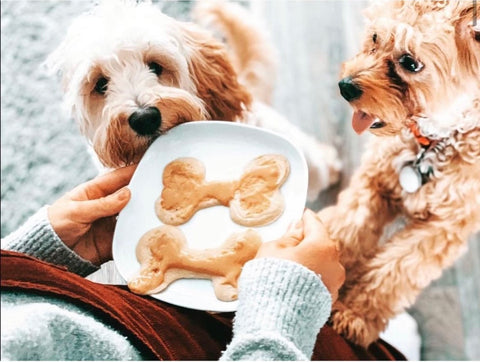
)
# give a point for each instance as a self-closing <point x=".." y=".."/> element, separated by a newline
<point x="119" y="152"/>
<point x="117" y="145"/>
<point x="385" y="129"/>
<point x="127" y="148"/>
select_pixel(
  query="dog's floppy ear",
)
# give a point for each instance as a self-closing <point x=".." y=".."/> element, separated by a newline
<point x="213" y="74"/>
<point x="467" y="36"/>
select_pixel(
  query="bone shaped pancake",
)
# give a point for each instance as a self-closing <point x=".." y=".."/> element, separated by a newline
<point x="165" y="257"/>
<point x="254" y="199"/>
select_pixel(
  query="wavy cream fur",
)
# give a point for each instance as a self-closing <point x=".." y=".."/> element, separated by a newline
<point x="201" y="80"/>
<point x="117" y="40"/>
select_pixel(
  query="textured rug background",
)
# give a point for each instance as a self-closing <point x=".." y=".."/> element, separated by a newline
<point x="43" y="154"/>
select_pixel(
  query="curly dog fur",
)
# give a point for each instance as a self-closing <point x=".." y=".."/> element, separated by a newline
<point x="415" y="85"/>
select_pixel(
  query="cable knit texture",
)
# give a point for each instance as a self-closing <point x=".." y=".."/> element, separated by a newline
<point x="37" y="238"/>
<point x="281" y="303"/>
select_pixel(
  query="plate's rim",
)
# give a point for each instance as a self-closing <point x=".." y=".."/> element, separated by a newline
<point x="232" y="305"/>
<point x="240" y="125"/>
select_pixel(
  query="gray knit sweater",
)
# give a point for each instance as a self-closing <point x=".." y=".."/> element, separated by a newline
<point x="282" y="306"/>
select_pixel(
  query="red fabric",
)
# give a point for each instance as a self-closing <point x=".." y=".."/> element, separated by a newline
<point x="161" y="331"/>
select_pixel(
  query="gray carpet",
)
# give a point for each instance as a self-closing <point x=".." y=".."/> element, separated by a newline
<point x="43" y="154"/>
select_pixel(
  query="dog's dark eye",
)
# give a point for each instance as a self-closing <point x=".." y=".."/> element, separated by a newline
<point x="155" y="68"/>
<point x="374" y="38"/>
<point x="101" y="85"/>
<point x="409" y="63"/>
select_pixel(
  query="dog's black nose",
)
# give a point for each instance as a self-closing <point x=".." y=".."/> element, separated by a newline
<point x="349" y="90"/>
<point x="145" y="121"/>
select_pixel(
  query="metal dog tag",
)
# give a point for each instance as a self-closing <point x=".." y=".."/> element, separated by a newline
<point x="410" y="178"/>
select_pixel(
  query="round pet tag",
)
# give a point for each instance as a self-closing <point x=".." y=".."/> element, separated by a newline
<point x="410" y="179"/>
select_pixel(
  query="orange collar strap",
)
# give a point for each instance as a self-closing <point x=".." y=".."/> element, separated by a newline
<point x="422" y="140"/>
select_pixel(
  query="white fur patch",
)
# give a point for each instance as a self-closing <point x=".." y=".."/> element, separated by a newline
<point x="453" y="118"/>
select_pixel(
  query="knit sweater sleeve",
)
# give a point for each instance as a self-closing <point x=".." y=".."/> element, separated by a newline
<point x="37" y="238"/>
<point x="281" y="307"/>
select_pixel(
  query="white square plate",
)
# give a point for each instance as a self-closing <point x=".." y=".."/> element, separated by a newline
<point x="225" y="148"/>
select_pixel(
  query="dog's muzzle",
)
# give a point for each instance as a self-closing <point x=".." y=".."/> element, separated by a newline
<point x="349" y="89"/>
<point x="145" y="121"/>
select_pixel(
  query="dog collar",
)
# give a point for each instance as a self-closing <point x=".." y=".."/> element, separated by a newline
<point x="422" y="140"/>
<point x="415" y="174"/>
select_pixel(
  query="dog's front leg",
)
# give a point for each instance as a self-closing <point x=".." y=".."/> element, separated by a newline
<point x="357" y="221"/>
<point x="391" y="281"/>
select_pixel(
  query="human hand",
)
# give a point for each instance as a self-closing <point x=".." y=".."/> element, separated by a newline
<point x="84" y="218"/>
<point x="309" y="244"/>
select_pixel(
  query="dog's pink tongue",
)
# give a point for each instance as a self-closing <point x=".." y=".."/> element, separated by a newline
<point x="361" y="121"/>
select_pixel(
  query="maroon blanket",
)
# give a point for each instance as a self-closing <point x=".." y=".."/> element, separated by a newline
<point x="161" y="331"/>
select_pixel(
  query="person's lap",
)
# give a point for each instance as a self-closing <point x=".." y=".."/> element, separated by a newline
<point x="159" y="330"/>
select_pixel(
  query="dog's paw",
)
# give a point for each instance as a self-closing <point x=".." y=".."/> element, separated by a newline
<point x="324" y="167"/>
<point x="354" y="327"/>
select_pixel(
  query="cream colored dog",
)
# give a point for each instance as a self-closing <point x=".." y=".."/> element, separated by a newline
<point x="131" y="73"/>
